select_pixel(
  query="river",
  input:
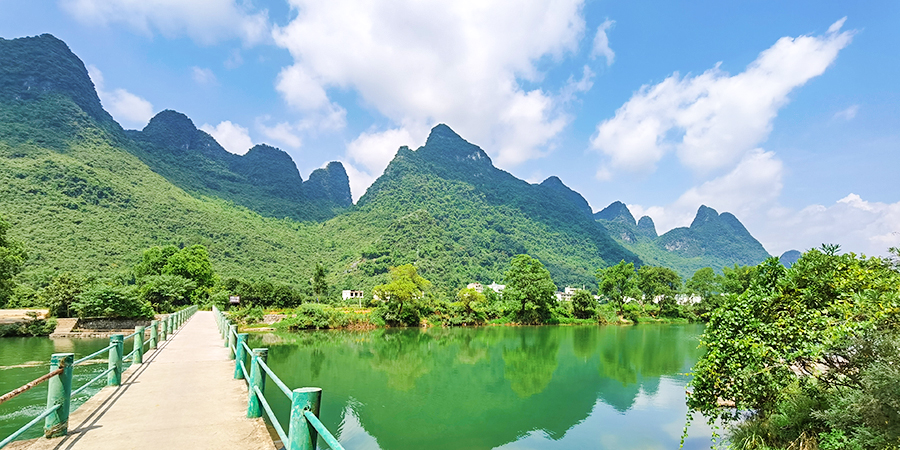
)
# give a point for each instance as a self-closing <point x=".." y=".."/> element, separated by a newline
<point x="495" y="387"/>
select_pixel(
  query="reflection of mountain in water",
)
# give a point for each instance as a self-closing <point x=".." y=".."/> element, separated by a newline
<point x="478" y="388"/>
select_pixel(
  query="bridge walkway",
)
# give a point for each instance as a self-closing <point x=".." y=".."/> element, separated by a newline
<point x="183" y="396"/>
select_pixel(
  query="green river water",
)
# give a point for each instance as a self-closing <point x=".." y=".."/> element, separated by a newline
<point x="583" y="387"/>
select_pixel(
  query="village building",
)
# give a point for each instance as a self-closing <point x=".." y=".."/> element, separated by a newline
<point x="350" y="294"/>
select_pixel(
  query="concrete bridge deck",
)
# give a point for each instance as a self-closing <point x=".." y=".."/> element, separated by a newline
<point x="182" y="397"/>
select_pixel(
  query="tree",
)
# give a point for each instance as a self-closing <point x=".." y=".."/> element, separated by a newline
<point x="617" y="282"/>
<point x="403" y="296"/>
<point x="153" y="260"/>
<point x="584" y="304"/>
<point x="191" y="263"/>
<point x="112" y="300"/>
<point x="529" y="284"/>
<point x="471" y="304"/>
<point x="320" y="287"/>
<point x="166" y="292"/>
<point x="810" y="344"/>
<point x="705" y="284"/>
<point x="660" y="285"/>
<point x="60" y="293"/>
<point x="12" y="261"/>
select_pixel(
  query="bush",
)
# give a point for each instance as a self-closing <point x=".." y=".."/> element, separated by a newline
<point x="247" y="315"/>
<point x="112" y="301"/>
<point x="315" y="316"/>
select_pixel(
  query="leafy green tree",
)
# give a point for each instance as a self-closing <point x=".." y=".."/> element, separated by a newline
<point x="12" y="260"/>
<point x="114" y="301"/>
<point x="319" y="286"/>
<point x="660" y="285"/>
<point x="60" y="293"/>
<point x="191" y="263"/>
<point x="617" y="282"/>
<point x="584" y="304"/>
<point x="800" y="347"/>
<point x="737" y="279"/>
<point x="154" y="259"/>
<point x="403" y="296"/>
<point x="166" y="292"/>
<point x="471" y="305"/>
<point x="529" y="284"/>
<point x="705" y="284"/>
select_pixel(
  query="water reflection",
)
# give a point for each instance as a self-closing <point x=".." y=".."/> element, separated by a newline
<point x="521" y="387"/>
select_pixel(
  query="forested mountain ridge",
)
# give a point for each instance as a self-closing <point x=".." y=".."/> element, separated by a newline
<point x="265" y="179"/>
<point x="87" y="197"/>
<point x="482" y="216"/>
<point x="712" y="240"/>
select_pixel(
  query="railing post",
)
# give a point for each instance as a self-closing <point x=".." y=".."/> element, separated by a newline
<point x="257" y="379"/>
<point x="139" y="345"/>
<point x="232" y="331"/>
<point x="114" y="378"/>
<point x="59" y="392"/>
<point x="239" y="356"/>
<point x="171" y="320"/>
<point x="154" y="334"/>
<point x="225" y="329"/>
<point x="301" y="434"/>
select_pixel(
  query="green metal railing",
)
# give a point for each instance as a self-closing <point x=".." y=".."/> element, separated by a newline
<point x="59" y="380"/>
<point x="304" y="425"/>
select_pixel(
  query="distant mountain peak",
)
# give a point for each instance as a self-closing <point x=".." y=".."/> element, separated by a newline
<point x="557" y="185"/>
<point x="330" y="183"/>
<point x="32" y="67"/>
<point x="705" y="214"/>
<point x="443" y="144"/>
<point x="646" y="225"/>
<point x="616" y="212"/>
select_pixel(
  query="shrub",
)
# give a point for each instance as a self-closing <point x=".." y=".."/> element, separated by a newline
<point x="112" y="301"/>
<point x="315" y="316"/>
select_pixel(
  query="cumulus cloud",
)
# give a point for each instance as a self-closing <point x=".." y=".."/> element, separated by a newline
<point x="205" y="21"/>
<point x="418" y="64"/>
<point x="857" y="225"/>
<point x="282" y="133"/>
<point x="601" y="43"/>
<point x="203" y="76"/>
<point x="713" y="119"/>
<point x="371" y="152"/>
<point x="235" y="138"/>
<point x="130" y="110"/>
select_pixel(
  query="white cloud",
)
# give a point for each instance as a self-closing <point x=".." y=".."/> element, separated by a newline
<point x="205" y="21"/>
<point x="857" y="225"/>
<point x="421" y="63"/>
<point x="203" y="76"/>
<point x="231" y="136"/>
<point x="748" y="190"/>
<point x="713" y="119"/>
<point x="371" y="152"/>
<point x="282" y="132"/>
<point x="847" y="114"/>
<point x="601" y="43"/>
<point x="130" y="110"/>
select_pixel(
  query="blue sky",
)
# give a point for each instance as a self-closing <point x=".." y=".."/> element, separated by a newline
<point x="786" y="114"/>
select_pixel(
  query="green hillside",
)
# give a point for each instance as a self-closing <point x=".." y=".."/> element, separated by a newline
<point x="713" y="240"/>
<point x="265" y="179"/>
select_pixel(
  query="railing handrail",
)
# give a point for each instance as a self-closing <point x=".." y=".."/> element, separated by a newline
<point x="113" y="372"/>
<point x="304" y="401"/>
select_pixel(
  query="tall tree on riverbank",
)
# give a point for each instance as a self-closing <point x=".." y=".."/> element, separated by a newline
<point x="617" y="282"/>
<point x="320" y="287"/>
<point x="12" y="260"/>
<point x="403" y="296"/>
<point x="529" y="283"/>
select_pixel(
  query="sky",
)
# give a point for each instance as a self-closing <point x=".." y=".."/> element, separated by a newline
<point x="786" y="114"/>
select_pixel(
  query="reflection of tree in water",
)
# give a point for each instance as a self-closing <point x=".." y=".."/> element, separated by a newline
<point x="471" y="350"/>
<point x="584" y="341"/>
<point x="637" y="357"/>
<point x="404" y="356"/>
<point x="316" y="361"/>
<point x="529" y="366"/>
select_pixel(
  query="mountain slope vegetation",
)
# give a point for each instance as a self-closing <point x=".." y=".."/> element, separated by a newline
<point x="712" y="240"/>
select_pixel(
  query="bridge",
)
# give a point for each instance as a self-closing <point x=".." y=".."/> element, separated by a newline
<point x="191" y="388"/>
